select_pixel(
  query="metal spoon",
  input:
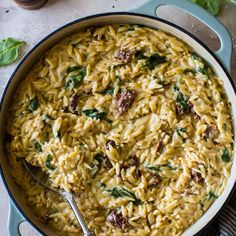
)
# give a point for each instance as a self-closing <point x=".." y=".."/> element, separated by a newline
<point x="43" y="179"/>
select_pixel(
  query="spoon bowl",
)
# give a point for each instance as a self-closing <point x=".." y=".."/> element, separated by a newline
<point x="43" y="178"/>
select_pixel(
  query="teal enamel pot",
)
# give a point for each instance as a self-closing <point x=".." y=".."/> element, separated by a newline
<point x="144" y="15"/>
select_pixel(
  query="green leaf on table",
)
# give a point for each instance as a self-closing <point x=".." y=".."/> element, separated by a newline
<point x="9" y="50"/>
<point x="212" y="6"/>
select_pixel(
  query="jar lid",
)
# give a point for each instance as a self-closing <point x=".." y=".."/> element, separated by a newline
<point x="30" y="4"/>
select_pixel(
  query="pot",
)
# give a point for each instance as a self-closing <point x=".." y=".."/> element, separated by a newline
<point x="145" y="15"/>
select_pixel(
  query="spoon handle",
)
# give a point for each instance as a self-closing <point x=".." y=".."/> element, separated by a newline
<point x="69" y="197"/>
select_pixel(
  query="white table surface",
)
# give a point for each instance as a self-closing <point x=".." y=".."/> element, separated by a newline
<point x="31" y="26"/>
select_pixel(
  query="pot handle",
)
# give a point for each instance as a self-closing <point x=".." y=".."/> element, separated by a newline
<point x="225" y="52"/>
<point x="14" y="220"/>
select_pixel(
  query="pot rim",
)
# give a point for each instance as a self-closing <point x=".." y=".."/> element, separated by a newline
<point x="97" y="16"/>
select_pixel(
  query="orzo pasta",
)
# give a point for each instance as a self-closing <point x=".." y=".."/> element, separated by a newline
<point x="130" y="120"/>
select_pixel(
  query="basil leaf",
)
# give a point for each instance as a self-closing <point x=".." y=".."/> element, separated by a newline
<point x="9" y="50"/>
<point x="154" y="60"/>
<point x="48" y="162"/>
<point x="122" y="192"/>
<point x="34" y="104"/>
<point x="94" y="113"/>
<point x="212" y="6"/>
<point x="225" y="156"/>
<point x="38" y="146"/>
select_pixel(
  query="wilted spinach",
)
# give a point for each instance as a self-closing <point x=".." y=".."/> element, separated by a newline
<point x="76" y="80"/>
<point x="48" y="162"/>
<point x="96" y="165"/>
<point x="122" y="192"/>
<point x="38" y="146"/>
<point x="225" y="155"/>
<point x="94" y="113"/>
<point x="211" y="195"/>
<point x="33" y="104"/>
<point x="109" y="90"/>
<point x="180" y="131"/>
<point x="182" y="102"/>
<point x="154" y="60"/>
<point x="156" y="169"/>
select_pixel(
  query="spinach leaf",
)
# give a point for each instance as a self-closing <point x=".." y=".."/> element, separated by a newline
<point x="175" y="87"/>
<point x="156" y="169"/>
<point x="96" y="165"/>
<point x="9" y="50"/>
<point x="48" y="162"/>
<point x="211" y="195"/>
<point x="189" y="70"/>
<point x="47" y="117"/>
<point x="153" y="168"/>
<point x="140" y="55"/>
<point x="195" y="56"/>
<point x="180" y="99"/>
<point x="204" y="69"/>
<point x="122" y="192"/>
<point x="109" y="90"/>
<point x="117" y="77"/>
<point x="34" y="104"/>
<point x="168" y="165"/>
<point x="225" y="156"/>
<point x="76" y="80"/>
<point x="180" y="130"/>
<point x="58" y="135"/>
<point x="46" y="137"/>
<point x="102" y="185"/>
<point x="212" y="6"/>
<point x="224" y="126"/>
<point x="38" y="146"/>
<point x="154" y="60"/>
<point x="94" y="113"/>
<point x="72" y="68"/>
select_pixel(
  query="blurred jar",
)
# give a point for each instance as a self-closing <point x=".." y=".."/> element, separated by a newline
<point x="30" y="4"/>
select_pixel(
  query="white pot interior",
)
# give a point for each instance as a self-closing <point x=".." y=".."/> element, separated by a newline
<point x="109" y="19"/>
